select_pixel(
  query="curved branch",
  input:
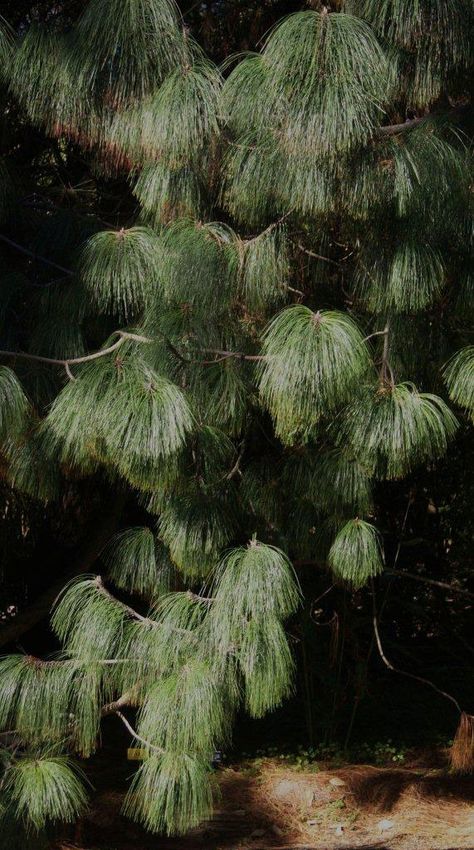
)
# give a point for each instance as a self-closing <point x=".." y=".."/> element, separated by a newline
<point x="73" y="361"/>
<point x="136" y="735"/>
<point x="394" y="669"/>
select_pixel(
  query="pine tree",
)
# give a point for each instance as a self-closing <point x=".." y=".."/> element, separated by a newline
<point x="291" y="219"/>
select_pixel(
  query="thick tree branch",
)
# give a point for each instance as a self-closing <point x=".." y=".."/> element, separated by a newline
<point x="393" y="129"/>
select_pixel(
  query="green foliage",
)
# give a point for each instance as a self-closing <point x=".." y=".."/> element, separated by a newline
<point x="459" y="377"/>
<point x="431" y="40"/>
<point x="254" y="589"/>
<point x="328" y="75"/>
<point x="265" y="269"/>
<point x="356" y="556"/>
<point x="136" y="562"/>
<point x="250" y="191"/>
<point x="46" y="789"/>
<point x="221" y="392"/>
<point x="341" y="484"/>
<point x="6" y="45"/>
<point x="218" y="419"/>
<point x="88" y="620"/>
<point x="170" y="793"/>
<point x="267" y="665"/>
<point x="185" y="711"/>
<point x="393" y="428"/>
<point x="166" y="192"/>
<point x="199" y="264"/>
<point x="34" y="698"/>
<point x="182" y="117"/>
<point x="312" y="362"/>
<point x="151" y="422"/>
<point x="120" y="269"/>
<point x="255" y="582"/>
<point x="45" y="84"/>
<point x="31" y="470"/>
<point x="196" y="526"/>
<point x="14" y="405"/>
<point x="124" y="49"/>
<point x="409" y="279"/>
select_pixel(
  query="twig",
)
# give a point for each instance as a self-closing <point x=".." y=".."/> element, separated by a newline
<point x="394" y="669"/>
<point x="123" y="701"/>
<point x="443" y="584"/>
<point x="34" y="256"/>
<point x="136" y="735"/>
<point x="317" y="256"/>
<point x="271" y="226"/>
<point x="72" y="361"/>
<point x="225" y="354"/>
<point x="236" y="467"/>
<point x="124" y="335"/>
<point x="132" y="613"/>
<point x="127" y="608"/>
<point x="376" y="333"/>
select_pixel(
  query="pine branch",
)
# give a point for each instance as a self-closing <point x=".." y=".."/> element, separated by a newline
<point x="122" y="702"/>
<point x="136" y="735"/>
<point x="85" y="358"/>
<point x="35" y="256"/>
<point x="317" y="256"/>
<point x="431" y="581"/>
<point x="239" y="355"/>
<point x="393" y="129"/>
<point x="394" y="669"/>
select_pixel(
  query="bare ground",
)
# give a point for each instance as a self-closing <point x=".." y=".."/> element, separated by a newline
<point x="416" y="807"/>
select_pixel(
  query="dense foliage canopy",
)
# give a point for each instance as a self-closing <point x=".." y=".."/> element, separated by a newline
<point x="240" y="294"/>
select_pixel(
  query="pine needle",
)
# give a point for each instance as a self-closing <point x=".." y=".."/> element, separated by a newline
<point x="168" y="192"/>
<point x="119" y="411"/>
<point x="136" y="562"/>
<point x="356" y="555"/>
<point x="199" y="264"/>
<point x="125" y="48"/>
<point x="120" y="269"/>
<point x="394" y="428"/>
<point x="265" y="270"/>
<point x="406" y="281"/>
<point x="329" y="76"/>
<point x="267" y="664"/>
<point x="170" y="793"/>
<point x="459" y="378"/>
<point x="313" y="361"/>
<point x="14" y="405"/>
<point x="255" y="582"/>
<point x="88" y="621"/>
<point x="196" y="526"/>
<point x="46" y="789"/>
<point x="431" y="39"/>
<point x="186" y="711"/>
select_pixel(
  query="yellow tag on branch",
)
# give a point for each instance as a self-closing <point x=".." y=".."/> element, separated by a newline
<point x="135" y="754"/>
